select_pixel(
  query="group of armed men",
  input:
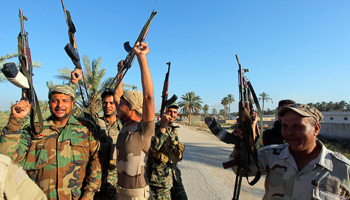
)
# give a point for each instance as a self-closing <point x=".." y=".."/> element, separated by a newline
<point x="127" y="155"/>
<point x="124" y="154"/>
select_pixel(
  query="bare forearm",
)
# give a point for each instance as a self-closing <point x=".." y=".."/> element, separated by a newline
<point x="147" y="87"/>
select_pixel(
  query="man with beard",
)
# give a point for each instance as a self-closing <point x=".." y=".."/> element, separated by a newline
<point x="108" y="127"/>
<point x="303" y="168"/>
<point x="136" y="110"/>
<point x="274" y="135"/>
<point x="63" y="159"/>
<point x="164" y="154"/>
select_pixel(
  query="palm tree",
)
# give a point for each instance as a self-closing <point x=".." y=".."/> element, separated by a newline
<point x="231" y="99"/>
<point x="224" y="102"/>
<point x="134" y="87"/>
<point x="93" y="76"/>
<point x="264" y="97"/>
<point x="214" y="112"/>
<point x="205" y="110"/>
<point x="190" y="103"/>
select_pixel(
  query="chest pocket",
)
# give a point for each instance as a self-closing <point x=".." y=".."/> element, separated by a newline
<point x="36" y="157"/>
<point x="79" y="150"/>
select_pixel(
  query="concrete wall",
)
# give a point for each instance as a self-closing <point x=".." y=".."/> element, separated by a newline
<point x="335" y="131"/>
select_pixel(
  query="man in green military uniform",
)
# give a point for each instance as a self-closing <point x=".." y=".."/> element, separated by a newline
<point x="165" y="152"/>
<point x="108" y="127"/>
<point x="63" y="159"/>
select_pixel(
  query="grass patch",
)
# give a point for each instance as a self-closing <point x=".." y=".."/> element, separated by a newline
<point x="342" y="147"/>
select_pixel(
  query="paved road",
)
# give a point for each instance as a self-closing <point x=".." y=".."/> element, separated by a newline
<point x="202" y="173"/>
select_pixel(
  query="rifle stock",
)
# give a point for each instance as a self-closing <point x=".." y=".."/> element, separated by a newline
<point x="127" y="63"/>
<point x="165" y="101"/>
<point x="23" y="78"/>
<point x="72" y="51"/>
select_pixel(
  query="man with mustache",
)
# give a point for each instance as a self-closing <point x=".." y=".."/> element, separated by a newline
<point x="303" y="168"/>
<point x="108" y="126"/>
<point x="165" y="152"/>
<point x="63" y="159"/>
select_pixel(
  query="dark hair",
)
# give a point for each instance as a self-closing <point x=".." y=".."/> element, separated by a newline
<point x="60" y="93"/>
<point x="107" y="93"/>
<point x="286" y="101"/>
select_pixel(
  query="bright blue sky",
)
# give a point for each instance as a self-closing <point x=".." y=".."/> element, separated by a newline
<point x="294" y="49"/>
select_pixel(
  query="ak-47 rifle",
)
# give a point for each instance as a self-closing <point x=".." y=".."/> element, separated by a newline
<point x="127" y="63"/>
<point x="247" y="150"/>
<point x="72" y="51"/>
<point x="23" y="78"/>
<point x="165" y="101"/>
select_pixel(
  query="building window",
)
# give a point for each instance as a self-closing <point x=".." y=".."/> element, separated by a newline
<point x="345" y="118"/>
<point x="331" y="118"/>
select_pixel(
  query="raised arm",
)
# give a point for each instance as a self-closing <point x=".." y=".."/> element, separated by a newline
<point x="147" y="83"/>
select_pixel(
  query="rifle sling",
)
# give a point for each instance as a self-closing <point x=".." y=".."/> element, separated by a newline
<point x="247" y="134"/>
<point x="36" y="110"/>
<point x="257" y="105"/>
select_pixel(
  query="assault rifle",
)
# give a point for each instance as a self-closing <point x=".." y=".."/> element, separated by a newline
<point x="247" y="150"/>
<point x="23" y="78"/>
<point x="127" y="63"/>
<point x="72" y="51"/>
<point x="165" y="101"/>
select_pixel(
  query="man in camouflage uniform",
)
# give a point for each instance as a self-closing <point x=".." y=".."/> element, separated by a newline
<point x="136" y="110"/>
<point x="303" y="168"/>
<point x="165" y="152"/>
<point x="108" y="128"/>
<point x="63" y="159"/>
<point x="15" y="183"/>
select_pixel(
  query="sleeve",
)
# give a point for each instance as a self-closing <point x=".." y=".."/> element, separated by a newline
<point x="93" y="174"/>
<point x="18" y="184"/>
<point x="158" y="139"/>
<point x="14" y="141"/>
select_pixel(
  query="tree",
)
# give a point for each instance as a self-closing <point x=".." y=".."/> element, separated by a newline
<point x="231" y="99"/>
<point x="264" y="97"/>
<point x="225" y="102"/>
<point x="214" y="112"/>
<point x="190" y="103"/>
<point x="205" y="110"/>
<point x="93" y="76"/>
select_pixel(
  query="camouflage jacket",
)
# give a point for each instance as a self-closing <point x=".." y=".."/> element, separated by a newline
<point x="326" y="177"/>
<point x="161" y="174"/>
<point x="65" y="165"/>
<point x="108" y="135"/>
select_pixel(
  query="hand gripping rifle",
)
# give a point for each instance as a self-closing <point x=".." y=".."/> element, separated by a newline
<point x="23" y="78"/>
<point x="131" y="54"/>
<point x="165" y="101"/>
<point x="247" y="150"/>
<point x="72" y="51"/>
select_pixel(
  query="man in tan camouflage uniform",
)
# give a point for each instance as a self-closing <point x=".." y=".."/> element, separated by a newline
<point x="63" y="159"/>
<point x="108" y="126"/>
<point x="165" y="152"/>
<point x="15" y="183"/>
<point x="136" y="110"/>
<point x="304" y="168"/>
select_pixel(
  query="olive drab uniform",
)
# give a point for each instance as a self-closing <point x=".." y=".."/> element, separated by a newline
<point x="15" y="183"/>
<point x="326" y="177"/>
<point x="163" y="174"/>
<point x="108" y="135"/>
<point x="63" y="161"/>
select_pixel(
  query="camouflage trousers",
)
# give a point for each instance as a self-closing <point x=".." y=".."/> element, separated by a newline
<point x="108" y="190"/>
<point x="176" y="192"/>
